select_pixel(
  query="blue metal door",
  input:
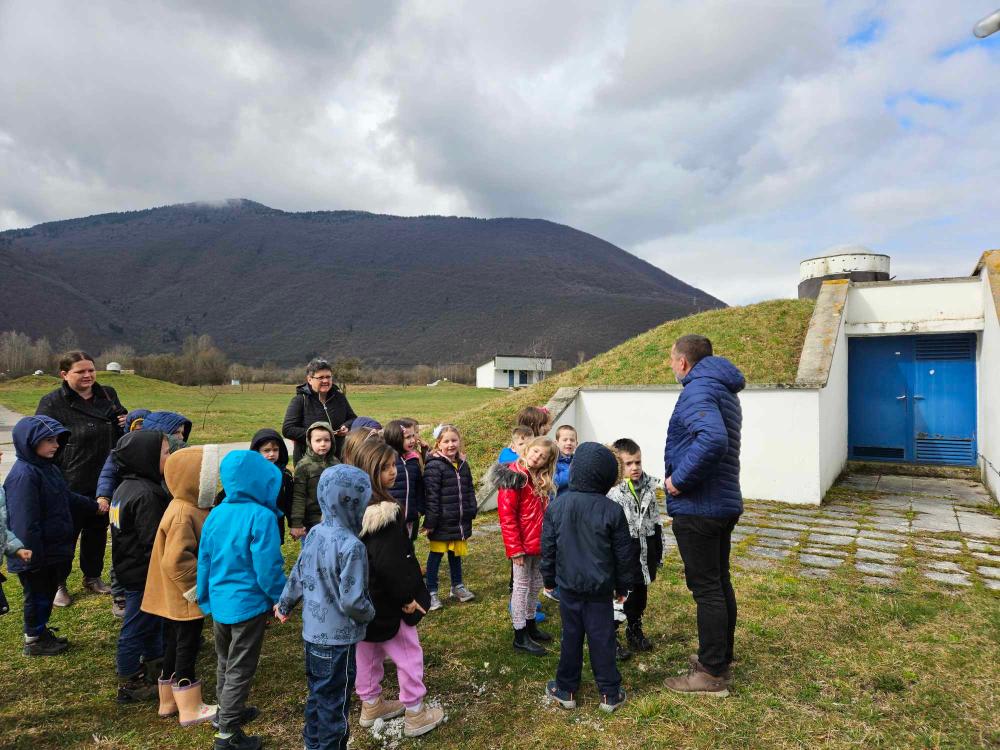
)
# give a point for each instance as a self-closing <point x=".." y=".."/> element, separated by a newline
<point x="510" y="378"/>
<point x="913" y="398"/>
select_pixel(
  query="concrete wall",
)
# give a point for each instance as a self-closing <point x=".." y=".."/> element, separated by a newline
<point x="780" y="455"/>
<point x="833" y="413"/>
<point x="989" y="379"/>
<point x="931" y="306"/>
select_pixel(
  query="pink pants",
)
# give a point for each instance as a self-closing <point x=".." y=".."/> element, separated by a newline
<point x="405" y="652"/>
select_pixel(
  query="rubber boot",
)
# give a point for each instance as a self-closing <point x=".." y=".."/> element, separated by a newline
<point x="168" y="706"/>
<point x="191" y="710"/>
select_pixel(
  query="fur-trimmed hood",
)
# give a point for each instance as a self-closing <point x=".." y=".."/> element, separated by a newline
<point x="379" y="516"/>
<point x="505" y="477"/>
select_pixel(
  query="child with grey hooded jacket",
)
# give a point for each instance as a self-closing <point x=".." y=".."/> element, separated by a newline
<point x="9" y="545"/>
<point x="331" y="576"/>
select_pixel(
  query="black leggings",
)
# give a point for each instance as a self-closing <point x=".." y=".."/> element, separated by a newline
<point x="182" y="638"/>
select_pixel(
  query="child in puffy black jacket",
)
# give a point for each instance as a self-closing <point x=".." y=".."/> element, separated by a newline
<point x="450" y="503"/>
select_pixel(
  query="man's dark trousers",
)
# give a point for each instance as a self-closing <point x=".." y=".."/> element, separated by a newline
<point x="704" y="543"/>
<point x="595" y="619"/>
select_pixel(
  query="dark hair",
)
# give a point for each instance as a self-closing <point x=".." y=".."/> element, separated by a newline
<point x="562" y="427"/>
<point x="69" y="359"/>
<point x="315" y="365"/>
<point x="392" y="434"/>
<point x="522" y="431"/>
<point x="534" y="417"/>
<point x="693" y="347"/>
<point x="626" y="445"/>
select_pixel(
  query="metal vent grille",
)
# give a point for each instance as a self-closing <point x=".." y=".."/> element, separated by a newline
<point x="874" y="451"/>
<point x="946" y="451"/>
<point x="961" y="346"/>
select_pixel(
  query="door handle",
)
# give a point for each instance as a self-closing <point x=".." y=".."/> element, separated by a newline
<point x="901" y="398"/>
<point x="918" y="398"/>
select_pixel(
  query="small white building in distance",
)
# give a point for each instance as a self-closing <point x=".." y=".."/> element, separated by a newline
<point x="512" y="371"/>
<point x="114" y="367"/>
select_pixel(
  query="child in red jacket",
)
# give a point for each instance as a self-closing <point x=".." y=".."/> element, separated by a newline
<point x="524" y="493"/>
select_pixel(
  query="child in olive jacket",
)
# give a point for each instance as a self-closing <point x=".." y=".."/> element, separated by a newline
<point x="306" y="511"/>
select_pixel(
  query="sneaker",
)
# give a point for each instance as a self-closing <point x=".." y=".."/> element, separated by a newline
<point x="637" y="640"/>
<point x="44" y="647"/>
<point x="118" y="607"/>
<point x="63" y="599"/>
<point x="96" y="586"/>
<point x="697" y="680"/>
<point x="564" y="698"/>
<point x="611" y="703"/>
<point x="50" y="635"/>
<point x="421" y="722"/>
<point x="249" y="714"/>
<point x="621" y="652"/>
<point x="435" y="602"/>
<point x="553" y="594"/>
<point x="461" y="593"/>
<point x="693" y="663"/>
<point x="380" y="709"/>
<point x="238" y="741"/>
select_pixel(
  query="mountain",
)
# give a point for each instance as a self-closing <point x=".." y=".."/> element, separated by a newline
<point x="271" y="285"/>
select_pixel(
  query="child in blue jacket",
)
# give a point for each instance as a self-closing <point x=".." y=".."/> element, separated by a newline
<point x="40" y="507"/>
<point x="240" y="577"/>
<point x="331" y="575"/>
<point x="9" y="545"/>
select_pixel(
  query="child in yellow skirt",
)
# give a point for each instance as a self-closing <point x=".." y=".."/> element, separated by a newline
<point x="450" y="502"/>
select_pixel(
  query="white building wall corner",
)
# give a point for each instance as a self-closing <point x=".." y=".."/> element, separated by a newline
<point x="832" y="421"/>
<point x="988" y="435"/>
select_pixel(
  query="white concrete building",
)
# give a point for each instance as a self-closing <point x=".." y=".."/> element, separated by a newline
<point x="512" y="371"/>
<point x="898" y="371"/>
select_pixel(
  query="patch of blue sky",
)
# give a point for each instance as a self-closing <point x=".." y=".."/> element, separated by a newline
<point x="991" y="44"/>
<point x="866" y="34"/>
<point x="904" y="116"/>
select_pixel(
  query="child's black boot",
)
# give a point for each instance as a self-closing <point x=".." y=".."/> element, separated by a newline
<point x="637" y="640"/>
<point x="539" y="636"/>
<point x="523" y="643"/>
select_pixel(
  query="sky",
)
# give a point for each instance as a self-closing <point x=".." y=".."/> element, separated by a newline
<point x="722" y="141"/>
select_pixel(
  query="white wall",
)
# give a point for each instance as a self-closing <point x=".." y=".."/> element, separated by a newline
<point x="989" y="391"/>
<point x="833" y="414"/>
<point x="936" y="306"/>
<point x="780" y="454"/>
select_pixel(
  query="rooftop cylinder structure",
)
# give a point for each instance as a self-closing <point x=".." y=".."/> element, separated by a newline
<point x="852" y="262"/>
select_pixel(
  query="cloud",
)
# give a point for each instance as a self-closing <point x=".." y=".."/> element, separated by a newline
<point x="722" y="140"/>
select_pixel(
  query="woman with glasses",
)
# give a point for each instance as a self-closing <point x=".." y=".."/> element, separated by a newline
<point x="317" y="400"/>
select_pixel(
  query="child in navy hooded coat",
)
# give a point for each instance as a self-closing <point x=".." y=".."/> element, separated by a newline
<point x="40" y="507"/>
<point x="331" y="575"/>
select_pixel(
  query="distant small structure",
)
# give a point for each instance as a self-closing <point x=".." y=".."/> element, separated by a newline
<point x="39" y="372"/>
<point x="852" y="262"/>
<point x="114" y="367"/>
<point x="512" y="371"/>
<point x="235" y="381"/>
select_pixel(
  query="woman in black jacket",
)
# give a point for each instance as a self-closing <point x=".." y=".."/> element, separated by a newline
<point x="95" y="418"/>
<point x="317" y="400"/>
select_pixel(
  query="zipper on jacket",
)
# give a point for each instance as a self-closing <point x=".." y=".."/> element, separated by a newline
<point x="458" y="476"/>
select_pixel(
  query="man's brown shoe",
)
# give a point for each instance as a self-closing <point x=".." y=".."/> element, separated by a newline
<point x="697" y="680"/>
<point x="693" y="663"/>
<point x="96" y="586"/>
<point x="380" y="709"/>
<point x="62" y="598"/>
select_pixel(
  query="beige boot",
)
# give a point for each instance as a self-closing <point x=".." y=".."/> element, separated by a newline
<point x="189" y="706"/>
<point x="168" y="706"/>
<point x="697" y="680"/>
<point x="381" y="709"/>
<point x="421" y="722"/>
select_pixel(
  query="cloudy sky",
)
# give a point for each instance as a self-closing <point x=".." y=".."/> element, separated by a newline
<point x="722" y="140"/>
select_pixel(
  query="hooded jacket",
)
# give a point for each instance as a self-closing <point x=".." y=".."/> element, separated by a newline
<point x="305" y="507"/>
<point x="167" y="422"/>
<point x="702" y="452"/>
<point x="408" y="489"/>
<point x="521" y="510"/>
<point x="9" y="543"/>
<point x="40" y="503"/>
<point x="94" y="431"/>
<point x="394" y="577"/>
<point x="449" y="499"/>
<point x="191" y="474"/>
<point x="586" y="548"/>
<point x="642" y="513"/>
<point x="260" y="437"/>
<point x="240" y="569"/>
<point x="137" y="506"/>
<point x="563" y="464"/>
<point x="331" y="574"/>
<point x="305" y="409"/>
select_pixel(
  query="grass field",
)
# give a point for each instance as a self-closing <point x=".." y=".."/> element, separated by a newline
<point x="228" y="414"/>
<point x="830" y="664"/>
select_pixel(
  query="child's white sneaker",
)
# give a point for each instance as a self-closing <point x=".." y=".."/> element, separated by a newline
<point x="435" y="602"/>
<point x="461" y="593"/>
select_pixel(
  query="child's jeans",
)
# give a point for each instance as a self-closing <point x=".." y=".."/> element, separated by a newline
<point x="405" y="651"/>
<point x="39" y="592"/>
<point x="434" y="565"/>
<point x="141" y="635"/>
<point x="330" y="672"/>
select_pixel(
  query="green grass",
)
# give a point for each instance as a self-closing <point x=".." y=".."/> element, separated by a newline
<point x="763" y="340"/>
<point x="229" y="414"/>
<point x="830" y="664"/>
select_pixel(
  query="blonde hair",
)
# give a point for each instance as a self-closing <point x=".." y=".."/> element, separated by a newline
<point x="543" y="478"/>
<point x="444" y="429"/>
<point x="354" y="440"/>
<point x="371" y="456"/>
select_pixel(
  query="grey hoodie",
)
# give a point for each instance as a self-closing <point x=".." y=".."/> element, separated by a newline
<point x="331" y="574"/>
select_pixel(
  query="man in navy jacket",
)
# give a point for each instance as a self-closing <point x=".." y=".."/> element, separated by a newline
<point x="702" y="460"/>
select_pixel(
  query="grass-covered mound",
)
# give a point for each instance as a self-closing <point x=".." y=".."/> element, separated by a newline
<point x="763" y="340"/>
